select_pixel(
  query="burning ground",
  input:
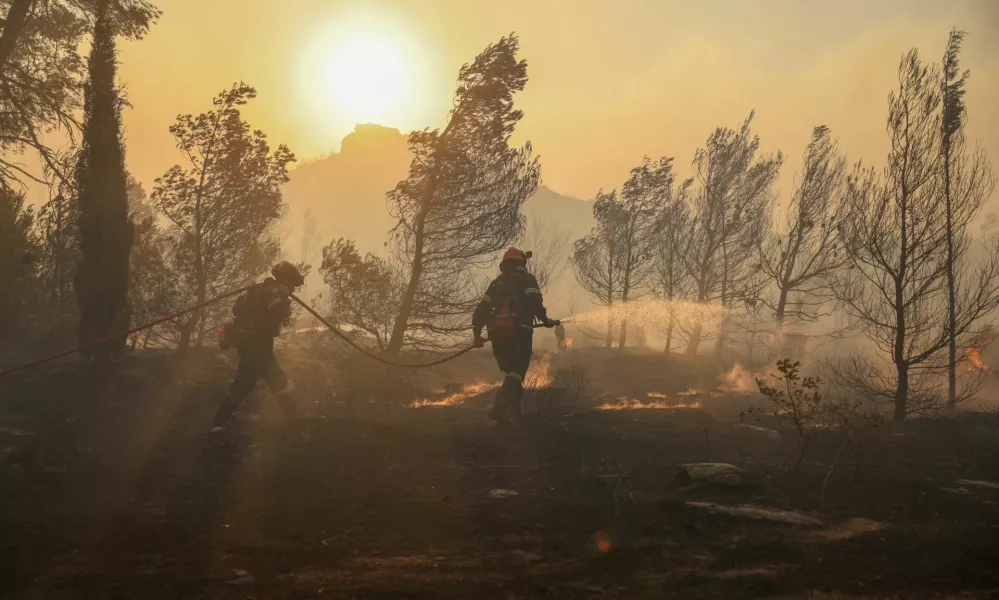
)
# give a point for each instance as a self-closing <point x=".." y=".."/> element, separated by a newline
<point x="413" y="493"/>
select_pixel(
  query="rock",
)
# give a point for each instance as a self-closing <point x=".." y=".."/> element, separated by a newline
<point x="978" y="483"/>
<point x="720" y="473"/>
<point x="758" y="513"/>
<point x="771" y="434"/>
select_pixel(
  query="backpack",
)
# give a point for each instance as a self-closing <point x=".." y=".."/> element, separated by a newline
<point x="233" y="333"/>
<point x="507" y="307"/>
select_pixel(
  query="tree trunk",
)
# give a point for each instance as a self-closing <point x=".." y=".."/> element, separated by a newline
<point x="951" y="293"/>
<point x="901" y="392"/>
<point x="13" y="27"/>
<point x="610" y="329"/>
<point x="406" y="306"/>
<point x="669" y="337"/>
<point x="623" y="335"/>
<point x="695" y="339"/>
<point x="185" y="337"/>
<point x="777" y="346"/>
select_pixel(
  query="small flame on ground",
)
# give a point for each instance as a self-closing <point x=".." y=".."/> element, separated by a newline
<point x="539" y="376"/>
<point x="469" y="391"/>
<point x="660" y="402"/>
<point x="974" y="356"/>
<point x="568" y="343"/>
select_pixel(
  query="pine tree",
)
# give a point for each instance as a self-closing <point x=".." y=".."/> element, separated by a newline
<point x="105" y="229"/>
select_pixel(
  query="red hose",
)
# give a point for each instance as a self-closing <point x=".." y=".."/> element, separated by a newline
<point x="115" y="336"/>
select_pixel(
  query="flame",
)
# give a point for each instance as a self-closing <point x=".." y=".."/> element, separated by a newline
<point x="974" y="356"/>
<point x="655" y="400"/>
<point x="469" y="391"/>
<point x="539" y="376"/>
<point x="568" y="343"/>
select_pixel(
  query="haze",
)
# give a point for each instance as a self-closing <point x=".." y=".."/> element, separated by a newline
<point x="608" y="82"/>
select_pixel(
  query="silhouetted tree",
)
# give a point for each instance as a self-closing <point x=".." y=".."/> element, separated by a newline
<point x="803" y="258"/>
<point x="41" y="71"/>
<point x="58" y="225"/>
<point x="151" y="285"/>
<point x="671" y="282"/>
<point x="363" y="293"/>
<point x="18" y="249"/>
<point x="967" y="184"/>
<point x="461" y="203"/>
<point x="223" y="206"/>
<point x="648" y="189"/>
<point x="896" y="239"/>
<point x="105" y="229"/>
<point x="729" y="216"/>
<point x="597" y="256"/>
<point x="550" y="247"/>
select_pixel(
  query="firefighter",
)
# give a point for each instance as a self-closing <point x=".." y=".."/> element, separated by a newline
<point x="259" y="315"/>
<point x="508" y="310"/>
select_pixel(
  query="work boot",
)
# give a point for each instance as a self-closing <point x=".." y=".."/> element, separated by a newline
<point x="498" y="412"/>
<point x="227" y="406"/>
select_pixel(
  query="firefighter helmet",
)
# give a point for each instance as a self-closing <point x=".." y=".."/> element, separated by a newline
<point x="515" y="254"/>
<point x="286" y="271"/>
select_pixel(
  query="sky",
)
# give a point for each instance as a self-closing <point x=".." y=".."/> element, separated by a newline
<point x="608" y="83"/>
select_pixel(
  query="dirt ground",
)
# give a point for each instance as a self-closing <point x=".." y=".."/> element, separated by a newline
<point x="366" y="497"/>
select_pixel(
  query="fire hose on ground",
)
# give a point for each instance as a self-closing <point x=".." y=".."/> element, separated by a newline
<point x="219" y="298"/>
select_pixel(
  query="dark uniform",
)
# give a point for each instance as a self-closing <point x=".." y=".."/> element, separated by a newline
<point x="518" y="290"/>
<point x="260" y="313"/>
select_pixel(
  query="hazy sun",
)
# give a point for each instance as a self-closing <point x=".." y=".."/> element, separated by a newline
<point x="364" y="78"/>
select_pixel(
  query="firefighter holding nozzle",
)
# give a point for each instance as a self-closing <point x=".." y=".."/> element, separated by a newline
<point x="508" y="310"/>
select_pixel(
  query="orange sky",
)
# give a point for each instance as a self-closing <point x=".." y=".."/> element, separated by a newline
<point x="609" y="81"/>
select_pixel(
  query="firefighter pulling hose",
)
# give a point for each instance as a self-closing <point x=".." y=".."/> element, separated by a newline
<point x="509" y="309"/>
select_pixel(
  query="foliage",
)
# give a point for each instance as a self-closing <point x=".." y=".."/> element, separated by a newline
<point x="41" y="72"/>
<point x="802" y="261"/>
<point x="730" y="206"/>
<point x="896" y="238"/>
<point x="461" y="202"/>
<point x="801" y="401"/>
<point x="17" y="261"/>
<point x="550" y="247"/>
<point x="106" y="232"/>
<point x="223" y="206"/>
<point x="363" y="292"/>
<point x="58" y="230"/>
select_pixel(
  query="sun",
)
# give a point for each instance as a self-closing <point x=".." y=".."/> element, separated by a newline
<point x="364" y="78"/>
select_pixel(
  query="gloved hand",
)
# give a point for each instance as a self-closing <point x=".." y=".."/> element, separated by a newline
<point x="479" y="341"/>
<point x="549" y="323"/>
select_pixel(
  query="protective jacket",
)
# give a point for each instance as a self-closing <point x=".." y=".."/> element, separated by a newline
<point x="259" y="314"/>
<point x="513" y="298"/>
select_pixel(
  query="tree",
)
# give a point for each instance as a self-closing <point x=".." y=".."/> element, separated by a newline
<point x="17" y="260"/>
<point x="967" y="184"/>
<point x="648" y="189"/>
<point x="804" y="257"/>
<point x="224" y="205"/>
<point x="672" y="283"/>
<point x="549" y="244"/>
<point x="105" y="229"/>
<point x="58" y="225"/>
<point x="150" y="283"/>
<point x="597" y="256"/>
<point x="363" y="292"/>
<point x="896" y="238"/>
<point x="462" y="200"/>
<point x="730" y="214"/>
<point x="41" y="71"/>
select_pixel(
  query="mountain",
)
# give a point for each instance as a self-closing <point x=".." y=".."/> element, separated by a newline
<point x="345" y="194"/>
